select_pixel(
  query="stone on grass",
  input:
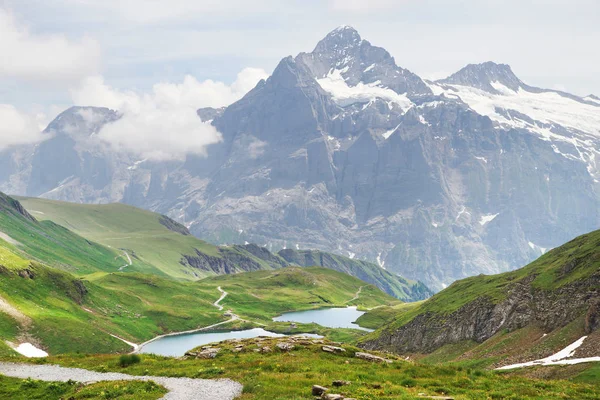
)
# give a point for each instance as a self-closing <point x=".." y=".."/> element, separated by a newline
<point x="333" y="349"/>
<point x="332" y="397"/>
<point x="339" y="383"/>
<point x="371" y="357"/>
<point x="209" y="353"/>
<point x="318" y="390"/>
<point x="285" y="346"/>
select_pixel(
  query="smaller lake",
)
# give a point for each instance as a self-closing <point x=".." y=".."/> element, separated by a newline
<point x="177" y="345"/>
<point x="328" y="317"/>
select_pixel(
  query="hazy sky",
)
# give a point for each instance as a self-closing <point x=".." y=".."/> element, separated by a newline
<point x="148" y="54"/>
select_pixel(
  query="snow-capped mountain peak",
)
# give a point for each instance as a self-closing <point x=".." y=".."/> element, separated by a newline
<point x="344" y="60"/>
<point x="486" y="76"/>
<point x="340" y="42"/>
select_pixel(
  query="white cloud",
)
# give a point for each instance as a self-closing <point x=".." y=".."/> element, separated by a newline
<point x="163" y="124"/>
<point x="363" y="5"/>
<point x="38" y="57"/>
<point x="19" y="128"/>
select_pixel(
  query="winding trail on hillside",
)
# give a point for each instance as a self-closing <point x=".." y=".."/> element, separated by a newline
<point x="179" y="388"/>
<point x="234" y="317"/>
<point x="356" y="296"/>
<point x="223" y="295"/>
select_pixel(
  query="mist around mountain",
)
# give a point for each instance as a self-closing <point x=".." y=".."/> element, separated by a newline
<point x="344" y="151"/>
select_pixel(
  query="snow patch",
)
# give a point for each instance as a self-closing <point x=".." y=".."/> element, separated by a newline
<point x="30" y="351"/>
<point x="136" y="164"/>
<point x="370" y="67"/>
<point x="389" y="133"/>
<point x="560" y="358"/>
<point x="344" y="95"/>
<point x="535" y="247"/>
<point x="351" y="255"/>
<point x="487" y="218"/>
<point x="481" y="159"/>
<point x="379" y="262"/>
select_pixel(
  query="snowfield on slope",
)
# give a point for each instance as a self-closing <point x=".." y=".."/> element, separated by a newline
<point x="560" y="358"/>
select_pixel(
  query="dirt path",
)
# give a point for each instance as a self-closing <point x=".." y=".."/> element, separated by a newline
<point x="179" y="388"/>
<point x="356" y="296"/>
<point x="223" y="295"/>
<point x="9" y="309"/>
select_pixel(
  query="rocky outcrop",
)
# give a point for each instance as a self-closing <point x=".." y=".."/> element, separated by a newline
<point x="12" y="206"/>
<point x="173" y="225"/>
<point x="482" y="318"/>
<point x="221" y="265"/>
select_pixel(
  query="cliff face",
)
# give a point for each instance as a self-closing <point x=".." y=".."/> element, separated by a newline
<point x="481" y="319"/>
<point x="549" y="294"/>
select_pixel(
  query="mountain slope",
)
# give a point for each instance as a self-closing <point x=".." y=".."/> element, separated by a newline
<point x="153" y="243"/>
<point x="392" y="284"/>
<point x="548" y="304"/>
<point x="344" y="151"/>
<point x="51" y="243"/>
<point x="61" y="313"/>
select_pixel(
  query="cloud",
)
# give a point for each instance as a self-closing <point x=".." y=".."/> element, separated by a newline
<point x="363" y="5"/>
<point x="163" y="124"/>
<point x="18" y="128"/>
<point x="48" y="57"/>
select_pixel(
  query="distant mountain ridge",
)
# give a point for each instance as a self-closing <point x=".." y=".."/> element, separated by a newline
<point x="343" y="151"/>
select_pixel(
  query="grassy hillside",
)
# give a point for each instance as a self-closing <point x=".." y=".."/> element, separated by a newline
<point x="63" y="313"/>
<point x="152" y="241"/>
<point x="392" y="284"/>
<point x="262" y="295"/>
<point x="517" y="316"/>
<point x="52" y="244"/>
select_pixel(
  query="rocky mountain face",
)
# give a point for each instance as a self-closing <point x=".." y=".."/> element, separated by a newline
<point x="344" y="151"/>
<point x="561" y="288"/>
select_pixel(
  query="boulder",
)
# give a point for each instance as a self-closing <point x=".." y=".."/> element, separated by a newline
<point x="283" y="346"/>
<point x="332" y="396"/>
<point x="371" y="357"/>
<point x="209" y="353"/>
<point x="339" y="383"/>
<point x="318" y="390"/>
<point x="333" y="349"/>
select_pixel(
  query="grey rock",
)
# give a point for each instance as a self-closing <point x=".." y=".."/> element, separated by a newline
<point x="318" y="390"/>
<point x="333" y="349"/>
<point x="371" y="357"/>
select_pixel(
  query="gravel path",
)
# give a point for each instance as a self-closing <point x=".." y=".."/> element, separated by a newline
<point x="223" y="295"/>
<point x="179" y="388"/>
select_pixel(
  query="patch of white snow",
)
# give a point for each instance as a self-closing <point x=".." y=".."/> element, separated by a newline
<point x="487" y="218"/>
<point x="345" y="95"/>
<point x="30" y="351"/>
